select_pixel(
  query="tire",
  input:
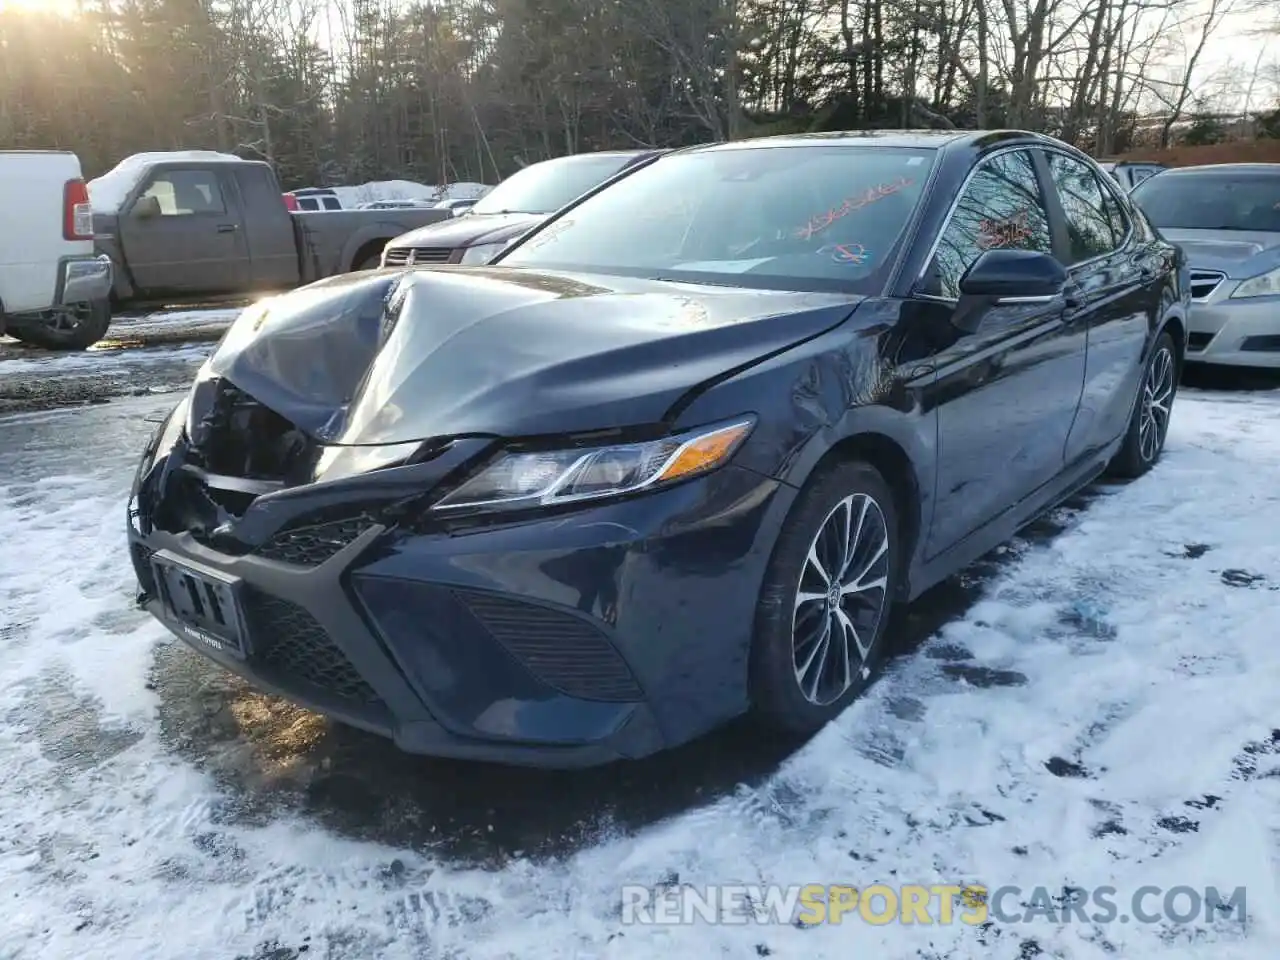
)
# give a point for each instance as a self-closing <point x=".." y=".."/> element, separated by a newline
<point x="86" y="327"/>
<point x="787" y="626"/>
<point x="1143" y="444"/>
<point x="368" y="263"/>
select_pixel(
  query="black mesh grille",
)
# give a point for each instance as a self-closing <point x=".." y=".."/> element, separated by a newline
<point x="310" y="544"/>
<point x="289" y="640"/>
<point x="561" y="650"/>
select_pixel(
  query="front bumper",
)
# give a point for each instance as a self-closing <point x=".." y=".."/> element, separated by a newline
<point x="566" y="641"/>
<point x="1243" y="332"/>
<point x="84" y="279"/>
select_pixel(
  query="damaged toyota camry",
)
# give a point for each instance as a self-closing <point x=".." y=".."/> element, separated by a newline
<point x="673" y="456"/>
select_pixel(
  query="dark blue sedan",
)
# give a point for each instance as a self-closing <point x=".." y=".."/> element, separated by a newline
<point x="673" y="455"/>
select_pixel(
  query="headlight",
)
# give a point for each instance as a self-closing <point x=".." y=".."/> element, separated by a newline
<point x="483" y="252"/>
<point x="1267" y="285"/>
<point x="554" y="477"/>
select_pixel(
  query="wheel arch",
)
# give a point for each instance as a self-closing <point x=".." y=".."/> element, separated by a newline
<point x="368" y="249"/>
<point x="1176" y="327"/>
<point x="889" y="455"/>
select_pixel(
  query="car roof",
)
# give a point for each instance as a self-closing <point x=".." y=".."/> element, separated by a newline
<point x="1233" y="168"/>
<point x="917" y="139"/>
<point x="1130" y="163"/>
<point x="618" y="154"/>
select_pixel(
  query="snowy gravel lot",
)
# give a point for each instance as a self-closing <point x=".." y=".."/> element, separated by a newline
<point x="1096" y="705"/>
<point x="141" y="353"/>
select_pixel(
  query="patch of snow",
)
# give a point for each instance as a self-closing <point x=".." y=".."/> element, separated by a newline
<point x="1106" y="714"/>
<point x="108" y="191"/>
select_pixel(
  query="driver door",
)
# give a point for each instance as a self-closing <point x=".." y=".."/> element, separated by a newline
<point x="183" y="234"/>
<point x="1006" y="394"/>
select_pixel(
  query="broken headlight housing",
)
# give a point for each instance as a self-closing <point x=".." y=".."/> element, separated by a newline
<point x="163" y="437"/>
<point x="552" y="477"/>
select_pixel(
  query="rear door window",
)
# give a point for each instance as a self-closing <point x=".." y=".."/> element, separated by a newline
<point x="1090" y="230"/>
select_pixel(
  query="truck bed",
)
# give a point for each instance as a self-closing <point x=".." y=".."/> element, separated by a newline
<point x="338" y="241"/>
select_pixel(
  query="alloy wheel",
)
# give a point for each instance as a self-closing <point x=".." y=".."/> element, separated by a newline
<point x="68" y="320"/>
<point x="840" y="600"/>
<point x="1157" y="399"/>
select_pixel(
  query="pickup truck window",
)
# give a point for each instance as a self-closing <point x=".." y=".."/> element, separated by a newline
<point x="186" y="192"/>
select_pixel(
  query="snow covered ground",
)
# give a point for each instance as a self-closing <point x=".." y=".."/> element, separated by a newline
<point x="1100" y="707"/>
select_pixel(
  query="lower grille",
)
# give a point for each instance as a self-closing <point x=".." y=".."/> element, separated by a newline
<point x="1198" y="341"/>
<point x="292" y="643"/>
<point x="408" y="256"/>
<point x="561" y="650"/>
<point x="1204" y="282"/>
<point x="311" y="544"/>
<point x="1269" y="343"/>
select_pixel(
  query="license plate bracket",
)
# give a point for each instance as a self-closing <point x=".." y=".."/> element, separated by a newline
<point x="203" y="603"/>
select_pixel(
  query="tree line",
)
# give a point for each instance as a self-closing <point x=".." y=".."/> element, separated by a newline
<point x="445" y="90"/>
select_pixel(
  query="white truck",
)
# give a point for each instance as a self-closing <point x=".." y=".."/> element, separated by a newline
<point x="54" y="288"/>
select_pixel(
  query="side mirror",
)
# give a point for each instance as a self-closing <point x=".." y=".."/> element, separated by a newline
<point x="1019" y="276"/>
<point x="1006" y="277"/>
<point x="147" y="208"/>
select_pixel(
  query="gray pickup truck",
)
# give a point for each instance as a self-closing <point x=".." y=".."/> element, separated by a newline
<point x="211" y="227"/>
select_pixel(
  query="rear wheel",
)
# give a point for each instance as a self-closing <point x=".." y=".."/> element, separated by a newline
<point x="1149" y="425"/>
<point x="822" y="614"/>
<point x="77" y="328"/>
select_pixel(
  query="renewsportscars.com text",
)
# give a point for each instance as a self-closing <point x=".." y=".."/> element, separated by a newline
<point x="972" y="904"/>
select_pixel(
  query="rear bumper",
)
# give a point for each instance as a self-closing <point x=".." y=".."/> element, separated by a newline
<point x="77" y="280"/>
<point x="84" y="279"/>
<point x="1243" y="333"/>
<point x="571" y="641"/>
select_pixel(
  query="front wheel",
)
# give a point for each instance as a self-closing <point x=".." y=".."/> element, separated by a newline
<point x="77" y="328"/>
<point x="827" y="595"/>
<point x="1149" y="425"/>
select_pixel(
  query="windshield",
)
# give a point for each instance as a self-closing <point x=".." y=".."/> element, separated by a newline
<point x="547" y="186"/>
<point x="793" y="217"/>
<point x="1216" y="201"/>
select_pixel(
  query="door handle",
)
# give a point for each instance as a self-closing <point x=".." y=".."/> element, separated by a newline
<point x="227" y="228"/>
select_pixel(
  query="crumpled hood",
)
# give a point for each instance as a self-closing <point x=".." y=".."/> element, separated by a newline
<point x="404" y="356"/>
<point x="1237" y="253"/>
<point x="469" y="230"/>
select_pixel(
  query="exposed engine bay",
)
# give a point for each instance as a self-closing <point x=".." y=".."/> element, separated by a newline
<point x="240" y="437"/>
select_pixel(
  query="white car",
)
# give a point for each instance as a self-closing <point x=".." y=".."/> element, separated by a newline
<point x="457" y="207"/>
<point x="54" y="290"/>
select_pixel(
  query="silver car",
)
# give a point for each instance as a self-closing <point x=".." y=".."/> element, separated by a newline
<point x="1227" y="219"/>
<point x="1130" y="173"/>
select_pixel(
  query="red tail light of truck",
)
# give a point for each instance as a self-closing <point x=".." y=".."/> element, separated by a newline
<point x="77" y="211"/>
